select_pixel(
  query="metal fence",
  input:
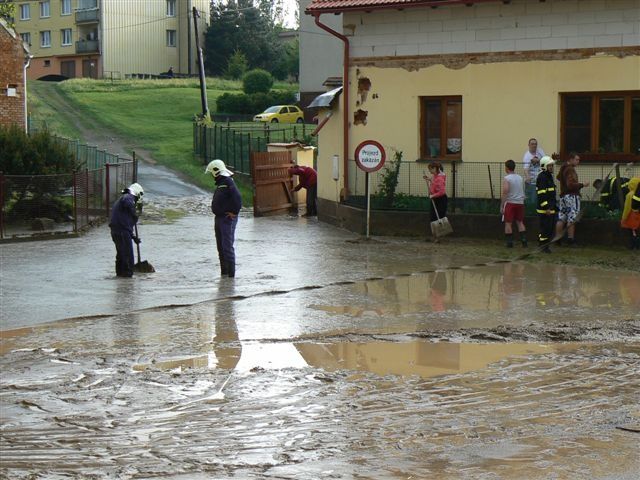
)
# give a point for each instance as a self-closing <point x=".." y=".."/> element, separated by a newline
<point x="472" y="187"/>
<point x="234" y="142"/>
<point x="36" y="205"/>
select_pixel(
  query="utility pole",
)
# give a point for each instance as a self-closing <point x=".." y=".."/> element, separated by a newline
<point x="203" y="83"/>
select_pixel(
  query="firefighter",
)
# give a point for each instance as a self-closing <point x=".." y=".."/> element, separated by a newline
<point x="124" y="216"/>
<point x="631" y="213"/>
<point x="547" y="204"/>
<point x="225" y="205"/>
<point x="609" y="193"/>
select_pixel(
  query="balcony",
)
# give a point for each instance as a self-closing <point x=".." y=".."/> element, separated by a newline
<point x="88" y="46"/>
<point x="87" y="16"/>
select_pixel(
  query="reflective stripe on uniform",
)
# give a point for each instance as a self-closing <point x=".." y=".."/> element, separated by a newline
<point x="542" y="190"/>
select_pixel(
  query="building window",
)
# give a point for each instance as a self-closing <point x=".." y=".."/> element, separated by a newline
<point x="25" y="11"/>
<point x="66" y="36"/>
<point x="66" y="7"/>
<point x="441" y="127"/>
<point x="26" y="38"/>
<point x="171" y="38"/>
<point x="45" y="9"/>
<point x="171" y="8"/>
<point x="45" y="38"/>
<point x="47" y="63"/>
<point x="602" y="126"/>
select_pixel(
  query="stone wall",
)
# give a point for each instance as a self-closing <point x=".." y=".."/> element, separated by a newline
<point x="415" y="224"/>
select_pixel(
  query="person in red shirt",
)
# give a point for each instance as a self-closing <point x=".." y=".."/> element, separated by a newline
<point x="308" y="179"/>
<point x="437" y="185"/>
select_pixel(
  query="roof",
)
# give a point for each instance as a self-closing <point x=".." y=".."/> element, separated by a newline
<point x="326" y="99"/>
<point x="338" y="6"/>
<point x="13" y="33"/>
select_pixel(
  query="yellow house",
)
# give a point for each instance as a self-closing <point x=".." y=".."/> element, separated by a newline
<point x="110" y="38"/>
<point x="467" y="83"/>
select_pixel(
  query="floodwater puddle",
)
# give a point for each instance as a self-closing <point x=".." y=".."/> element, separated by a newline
<point x="421" y="358"/>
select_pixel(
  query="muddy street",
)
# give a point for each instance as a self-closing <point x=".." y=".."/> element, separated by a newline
<point x="327" y="357"/>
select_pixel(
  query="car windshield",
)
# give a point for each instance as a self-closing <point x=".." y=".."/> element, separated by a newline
<point x="272" y="110"/>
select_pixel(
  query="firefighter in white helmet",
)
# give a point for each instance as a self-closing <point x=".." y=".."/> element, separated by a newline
<point x="124" y="216"/>
<point x="225" y="205"/>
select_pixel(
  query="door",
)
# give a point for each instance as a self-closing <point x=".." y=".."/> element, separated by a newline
<point x="89" y="69"/>
<point x="68" y="68"/>
<point x="272" y="184"/>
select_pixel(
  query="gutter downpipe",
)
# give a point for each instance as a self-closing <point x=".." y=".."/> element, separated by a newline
<point x="24" y="78"/>
<point x="345" y="93"/>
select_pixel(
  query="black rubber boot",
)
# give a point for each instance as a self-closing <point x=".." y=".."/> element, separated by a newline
<point x="635" y="243"/>
<point x="224" y="268"/>
<point x="231" y="269"/>
<point x="523" y="240"/>
<point x="509" y="240"/>
<point x="571" y="242"/>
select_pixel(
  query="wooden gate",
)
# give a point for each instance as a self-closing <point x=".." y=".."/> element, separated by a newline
<point x="272" y="186"/>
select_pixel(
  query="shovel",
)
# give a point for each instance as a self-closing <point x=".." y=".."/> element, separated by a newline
<point x="142" y="267"/>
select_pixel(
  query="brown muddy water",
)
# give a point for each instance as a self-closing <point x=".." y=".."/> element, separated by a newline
<point x="380" y="361"/>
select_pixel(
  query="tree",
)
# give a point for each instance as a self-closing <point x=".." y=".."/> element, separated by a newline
<point x="7" y="12"/>
<point x="245" y="27"/>
<point x="257" y="81"/>
<point x="237" y="65"/>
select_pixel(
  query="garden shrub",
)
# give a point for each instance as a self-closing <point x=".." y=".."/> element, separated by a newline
<point x="257" y="80"/>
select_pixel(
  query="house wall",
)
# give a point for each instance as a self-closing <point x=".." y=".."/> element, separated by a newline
<point x="507" y="97"/>
<point x="520" y="25"/>
<point x="12" y="58"/>
<point x="320" y="52"/>
<point x="134" y="36"/>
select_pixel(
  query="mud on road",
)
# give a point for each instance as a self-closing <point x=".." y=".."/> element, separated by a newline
<point x="385" y="359"/>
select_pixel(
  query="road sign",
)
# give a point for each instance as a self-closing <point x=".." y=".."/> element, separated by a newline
<point x="370" y="156"/>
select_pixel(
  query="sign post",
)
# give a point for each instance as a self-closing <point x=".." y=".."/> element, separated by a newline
<point x="370" y="157"/>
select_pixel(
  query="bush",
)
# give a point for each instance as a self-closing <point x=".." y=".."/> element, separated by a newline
<point x="38" y="154"/>
<point x="252" y="104"/>
<point x="257" y="80"/>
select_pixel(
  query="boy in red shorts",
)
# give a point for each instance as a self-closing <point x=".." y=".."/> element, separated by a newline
<point x="512" y="204"/>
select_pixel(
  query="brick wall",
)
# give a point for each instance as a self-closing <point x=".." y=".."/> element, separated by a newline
<point x="12" y="57"/>
<point x="516" y="26"/>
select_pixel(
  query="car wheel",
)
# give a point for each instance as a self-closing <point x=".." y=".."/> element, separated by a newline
<point x="275" y="120"/>
<point x="300" y="120"/>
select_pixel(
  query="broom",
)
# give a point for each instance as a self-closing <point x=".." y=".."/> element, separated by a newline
<point x="142" y="266"/>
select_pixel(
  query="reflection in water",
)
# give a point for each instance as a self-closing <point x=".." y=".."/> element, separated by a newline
<point x="413" y="358"/>
<point x="507" y="287"/>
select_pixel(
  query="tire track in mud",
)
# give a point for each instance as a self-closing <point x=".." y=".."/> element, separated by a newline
<point x="521" y="418"/>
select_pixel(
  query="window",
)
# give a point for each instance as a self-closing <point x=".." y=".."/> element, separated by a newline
<point x="45" y="9"/>
<point x="441" y="127"/>
<point x="66" y="7"/>
<point x="25" y="11"/>
<point x="26" y="38"/>
<point x="47" y="63"/>
<point x="171" y="38"/>
<point x="601" y="126"/>
<point x="45" y="38"/>
<point x="171" y="8"/>
<point x="66" y="36"/>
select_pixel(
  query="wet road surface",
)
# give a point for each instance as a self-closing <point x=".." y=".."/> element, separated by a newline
<point x="327" y="357"/>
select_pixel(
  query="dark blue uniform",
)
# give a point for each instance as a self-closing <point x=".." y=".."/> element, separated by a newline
<point x="123" y="219"/>
<point x="226" y="199"/>
<point x="546" y="193"/>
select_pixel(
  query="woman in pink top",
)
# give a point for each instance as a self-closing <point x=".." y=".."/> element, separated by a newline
<point x="437" y="190"/>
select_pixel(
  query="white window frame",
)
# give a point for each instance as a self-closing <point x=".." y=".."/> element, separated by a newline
<point x="25" y="7"/>
<point x="45" y="9"/>
<point x="62" y="35"/>
<point x="171" y="8"/>
<point x="172" y="38"/>
<point x="26" y="38"/>
<point x="45" y="34"/>
<point x="64" y="12"/>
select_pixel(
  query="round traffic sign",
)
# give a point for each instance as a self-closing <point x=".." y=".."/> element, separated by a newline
<point x="370" y="156"/>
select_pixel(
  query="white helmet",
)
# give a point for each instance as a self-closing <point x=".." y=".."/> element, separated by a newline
<point x="136" y="190"/>
<point x="217" y="167"/>
<point x="546" y="160"/>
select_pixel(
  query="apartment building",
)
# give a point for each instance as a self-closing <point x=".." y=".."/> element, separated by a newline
<point x="110" y="38"/>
